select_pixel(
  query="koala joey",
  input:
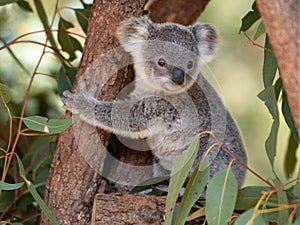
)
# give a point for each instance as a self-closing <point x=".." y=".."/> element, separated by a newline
<point x="171" y="101"/>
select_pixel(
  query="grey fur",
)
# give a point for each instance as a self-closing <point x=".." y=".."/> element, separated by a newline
<point x="163" y="113"/>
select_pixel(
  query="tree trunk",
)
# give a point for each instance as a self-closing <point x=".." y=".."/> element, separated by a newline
<point x="281" y="19"/>
<point x="72" y="182"/>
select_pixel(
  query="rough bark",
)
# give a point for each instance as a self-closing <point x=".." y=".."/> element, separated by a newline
<point x="179" y="11"/>
<point x="282" y="22"/>
<point x="72" y="183"/>
<point x="128" y="209"/>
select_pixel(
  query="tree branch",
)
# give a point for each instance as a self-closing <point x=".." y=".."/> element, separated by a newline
<point x="281" y="19"/>
<point x="184" y="12"/>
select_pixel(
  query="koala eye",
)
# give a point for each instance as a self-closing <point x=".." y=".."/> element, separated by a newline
<point x="190" y="64"/>
<point x="161" y="62"/>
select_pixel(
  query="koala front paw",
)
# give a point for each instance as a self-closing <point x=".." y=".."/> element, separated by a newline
<point x="80" y="102"/>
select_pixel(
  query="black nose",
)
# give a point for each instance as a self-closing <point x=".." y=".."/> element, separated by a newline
<point x="177" y="76"/>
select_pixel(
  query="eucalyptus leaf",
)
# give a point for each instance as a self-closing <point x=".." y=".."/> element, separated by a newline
<point x="35" y="194"/>
<point x="41" y="203"/>
<point x="4" y="95"/>
<point x="260" y="30"/>
<point x="25" y="6"/>
<point x="297" y="221"/>
<point x="178" y="175"/>
<point x="250" y="18"/>
<point x="246" y="216"/>
<point x="193" y="191"/>
<point x="67" y="42"/>
<point x="268" y="96"/>
<point x="82" y="16"/>
<point x="286" y="111"/>
<point x="148" y="184"/>
<point x="50" y="126"/>
<point x="6" y="198"/>
<point x="290" y="159"/>
<point x="296" y="190"/>
<point x="197" y="214"/>
<point x="249" y="196"/>
<point x="65" y="78"/>
<point x="8" y="187"/>
<point x="270" y="64"/>
<point x="283" y="214"/>
<point x="221" y="197"/>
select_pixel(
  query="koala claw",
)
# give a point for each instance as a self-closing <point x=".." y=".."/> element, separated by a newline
<point x="67" y="100"/>
<point x="68" y="94"/>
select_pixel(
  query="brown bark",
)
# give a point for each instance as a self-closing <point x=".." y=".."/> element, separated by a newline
<point x="184" y="12"/>
<point x="128" y="209"/>
<point x="281" y="19"/>
<point x="72" y="183"/>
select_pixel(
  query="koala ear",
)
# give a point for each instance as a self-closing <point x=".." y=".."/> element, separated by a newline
<point x="133" y="31"/>
<point x="207" y="39"/>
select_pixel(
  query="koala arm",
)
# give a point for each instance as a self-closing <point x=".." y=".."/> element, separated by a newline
<point x="137" y="120"/>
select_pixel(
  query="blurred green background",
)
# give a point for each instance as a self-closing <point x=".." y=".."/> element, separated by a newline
<point x="237" y="67"/>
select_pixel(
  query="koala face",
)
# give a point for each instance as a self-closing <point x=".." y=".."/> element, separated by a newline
<point x="167" y="56"/>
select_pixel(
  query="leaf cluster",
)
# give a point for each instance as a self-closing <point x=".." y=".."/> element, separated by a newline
<point x="28" y="142"/>
<point x="276" y="203"/>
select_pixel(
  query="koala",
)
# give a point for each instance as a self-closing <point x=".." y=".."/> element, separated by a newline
<point x="171" y="101"/>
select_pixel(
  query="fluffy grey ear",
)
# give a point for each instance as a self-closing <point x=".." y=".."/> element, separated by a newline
<point x="207" y="38"/>
<point x="134" y="31"/>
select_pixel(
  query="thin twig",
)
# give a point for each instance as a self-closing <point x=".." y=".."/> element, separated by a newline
<point x="253" y="43"/>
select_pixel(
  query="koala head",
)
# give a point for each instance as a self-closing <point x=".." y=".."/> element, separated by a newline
<point x="168" y="55"/>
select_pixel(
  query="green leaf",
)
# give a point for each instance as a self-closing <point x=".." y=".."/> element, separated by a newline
<point x="21" y="167"/>
<point x="67" y="42"/>
<point x="290" y="159"/>
<point x="250" y="18"/>
<point x="246" y="216"/>
<point x="6" y="198"/>
<point x="221" y="197"/>
<point x="41" y="203"/>
<point x="249" y="196"/>
<point x="268" y="96"/>
<point x="260" y="30"/>
<point x="9" y="187"/>
<point x="283" y="214"/>
<point x="197" y="214"/>
<point x="286" y="111"/>
<point x="65" y="78"/>
<point x="193" y="191"/>
<point x="297" y="221"/>
<point x="296" y="190"/>
<point x="35" y="194"/>
<point x="147" y="184"/>
<point x="4" y="95"/>
<point x="82" y="16"/>
<point x="270" y="65"/>
<point x="178" y="175"/>
<point x="64" y="24"/>
<point x="50" y="126"/>
<point x="25" y="6"/>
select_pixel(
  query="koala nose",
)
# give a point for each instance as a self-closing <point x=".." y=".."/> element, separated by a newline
<point x="177" y="76"/>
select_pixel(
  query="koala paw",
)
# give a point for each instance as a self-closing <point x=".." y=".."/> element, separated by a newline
<point x="82" y="101"/>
